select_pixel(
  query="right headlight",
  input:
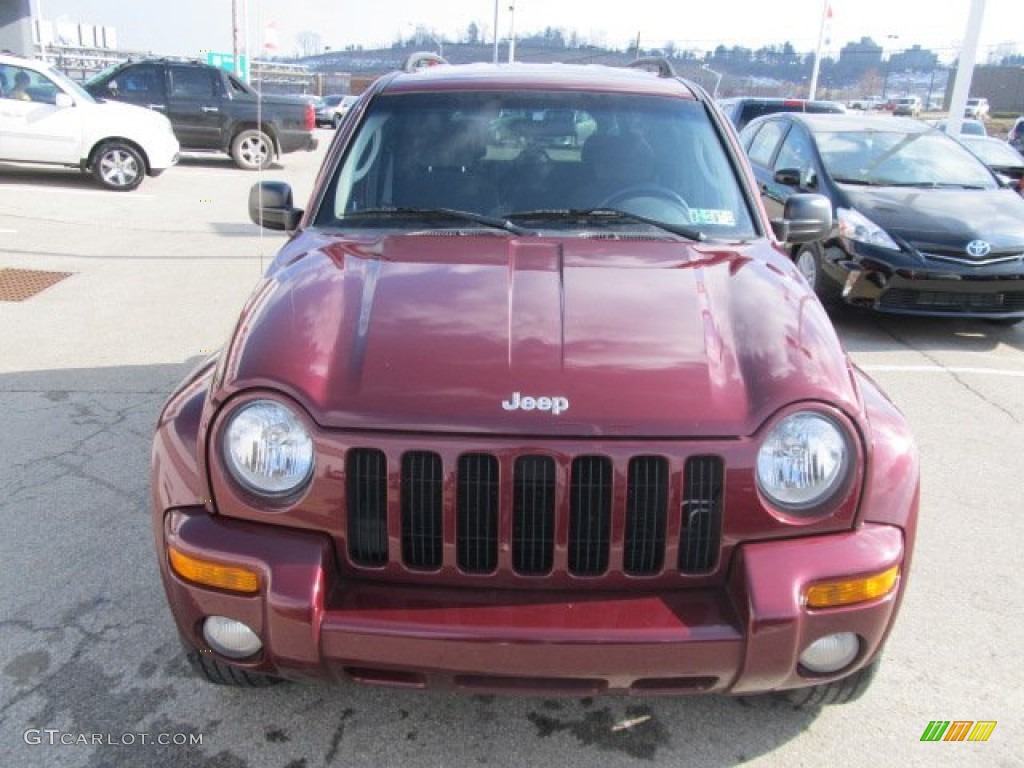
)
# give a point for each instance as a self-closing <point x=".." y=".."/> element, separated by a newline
<point x="267" y="449"/>
<point x="803" y="461"/>
<point x="856" y="226"/>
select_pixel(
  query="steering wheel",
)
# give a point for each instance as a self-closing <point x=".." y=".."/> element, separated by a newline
<point x="647" y="200"/>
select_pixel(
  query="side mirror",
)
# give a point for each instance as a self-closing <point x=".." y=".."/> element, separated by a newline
<point x="791" y="177"/>
<point x="794" y="177"/>
<point x="805" y="218"/>
<point x="64" y="100"/>
<point x="270" y="206"/>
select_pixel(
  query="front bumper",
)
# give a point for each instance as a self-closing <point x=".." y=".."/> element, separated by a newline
<point x="744" y="637"/>
<point x="935" y="288"/>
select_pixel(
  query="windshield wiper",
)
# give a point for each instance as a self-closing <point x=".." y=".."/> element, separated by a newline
<point x="858" y="182"/>
<point x="610" y="214"/>
<point x="932" y="185"/>
<point x="437" y="213"/>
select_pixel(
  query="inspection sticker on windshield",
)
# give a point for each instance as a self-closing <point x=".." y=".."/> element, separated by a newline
<point x="712" y="216"/>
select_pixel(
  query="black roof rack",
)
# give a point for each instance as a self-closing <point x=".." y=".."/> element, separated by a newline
<point x="658" y="64"/>
<point x="421" y="59"/>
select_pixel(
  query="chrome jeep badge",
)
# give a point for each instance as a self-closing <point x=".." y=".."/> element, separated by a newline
<point x="517" y="402"/>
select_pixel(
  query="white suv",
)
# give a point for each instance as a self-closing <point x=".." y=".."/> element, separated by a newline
<point x="976" y="108"/>
<point x="47" y="118"/>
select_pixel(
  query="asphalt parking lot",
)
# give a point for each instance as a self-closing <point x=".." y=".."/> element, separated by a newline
<point x="90" y="668"/>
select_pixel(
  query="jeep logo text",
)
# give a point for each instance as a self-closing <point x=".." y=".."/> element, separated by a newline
<point x="517" y="402"/>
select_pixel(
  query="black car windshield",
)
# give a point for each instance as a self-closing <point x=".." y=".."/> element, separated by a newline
<point x="505" y="154"/>
<point x="901" y="158"/>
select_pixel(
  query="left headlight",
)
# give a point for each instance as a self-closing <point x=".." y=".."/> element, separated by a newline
<point x="267" y="449"/>
<point x="857" y="226"/>
<point x="803" y="462"/>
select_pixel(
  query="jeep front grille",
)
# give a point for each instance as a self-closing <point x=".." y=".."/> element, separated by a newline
<point x="597" y="514"/>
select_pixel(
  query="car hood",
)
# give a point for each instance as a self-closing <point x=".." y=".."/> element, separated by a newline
<point x="120" y="111"/>
<point x="945" y="219"/>
<point x="497" y="335"/>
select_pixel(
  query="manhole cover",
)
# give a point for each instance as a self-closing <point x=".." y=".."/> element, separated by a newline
<point x="21" y="284"/>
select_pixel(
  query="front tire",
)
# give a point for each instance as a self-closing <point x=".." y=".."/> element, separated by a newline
<point x="217" y="672"/>
<point x="808" y="261"/>
<point x="252" y="150"/>
<point x="336" y="122"/>
<point x="118" y="166"/>
<point x="836" y="692"/>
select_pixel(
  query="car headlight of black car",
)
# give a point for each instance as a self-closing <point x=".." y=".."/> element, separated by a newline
<point x="804" y="462"/>
<point x="856" y="226"/>
<point x="267" y="448"/>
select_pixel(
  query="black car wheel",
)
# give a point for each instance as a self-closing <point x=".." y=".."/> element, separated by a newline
<point x="808" y="261"/>
<point x="336" y="121"/>
<point x="217" y="672"/>
<point x="252" y="150"/>
<point x="836" y="692"/>
<point x="118" y="166"/>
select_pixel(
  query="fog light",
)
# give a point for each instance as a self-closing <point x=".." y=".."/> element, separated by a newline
<point x="830" y="653"/>
<point x="230" y="638"/>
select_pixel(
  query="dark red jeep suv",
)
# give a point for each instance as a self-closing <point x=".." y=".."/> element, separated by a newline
<point x="532" y="407"/>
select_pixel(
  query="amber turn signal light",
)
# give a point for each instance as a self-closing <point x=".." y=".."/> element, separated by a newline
<point x="831" y="594"/>
<point x="209" y="574"/>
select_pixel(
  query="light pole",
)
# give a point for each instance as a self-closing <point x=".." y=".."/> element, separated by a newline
<point x="718" y="79"/>
<point x="496" y="31"/>
<point x="888" y="68"/>
<point x="511" y="32"/>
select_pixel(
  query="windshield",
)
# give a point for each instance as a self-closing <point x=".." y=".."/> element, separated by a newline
<point x="995" y="153"/>
<point x="69" y="85"/>
<point x="901" y="158"/>
<point x="541" y="159"/>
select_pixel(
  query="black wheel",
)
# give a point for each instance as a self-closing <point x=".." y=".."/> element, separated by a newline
<point x="836" y="692"/>
<point x="808" y="261"/>
<point x="336" y="121"/>
<point x="252" y="150"/>
<point x="651" y="200"/>
<point x="118" y="166"/>
<point x="211" y="669"/>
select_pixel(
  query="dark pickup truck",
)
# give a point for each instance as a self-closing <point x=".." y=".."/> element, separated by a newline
<point x="211" y="110"/>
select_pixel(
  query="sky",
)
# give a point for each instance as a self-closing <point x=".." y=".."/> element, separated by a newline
<point x="186" y="27"/>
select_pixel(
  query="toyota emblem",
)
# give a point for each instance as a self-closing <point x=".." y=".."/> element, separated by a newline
<point x="978" y="249"/>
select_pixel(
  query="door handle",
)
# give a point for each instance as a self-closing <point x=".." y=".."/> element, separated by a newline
<point x="157" y="106"/>
<point x="211" y="109"/>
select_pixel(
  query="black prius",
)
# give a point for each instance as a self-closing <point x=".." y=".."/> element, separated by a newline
<point x="922" y="226"/>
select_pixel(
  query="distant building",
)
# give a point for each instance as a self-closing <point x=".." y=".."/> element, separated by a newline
<point x="857" y="59"/>
<point x="916" y="59"/>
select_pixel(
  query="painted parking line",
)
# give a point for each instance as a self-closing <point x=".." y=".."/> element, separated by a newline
<point x="941" y="369"/>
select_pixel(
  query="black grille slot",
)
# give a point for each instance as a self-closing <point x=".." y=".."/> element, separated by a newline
<point x="422" y="509"/>
<point x="476" y="506"/>
<point x="646" y="512"/>
<point x="533" y="515"/>
<point x="367" y="504"/>
<point x="590" y="515"/>
<point x="700" y="537"/>
<point x="943" y="301"/>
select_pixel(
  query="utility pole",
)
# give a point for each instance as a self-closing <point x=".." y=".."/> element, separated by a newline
<point x="496" y="31"/>
<point x="512" y="33"/>
<point x="236" y="46"/>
